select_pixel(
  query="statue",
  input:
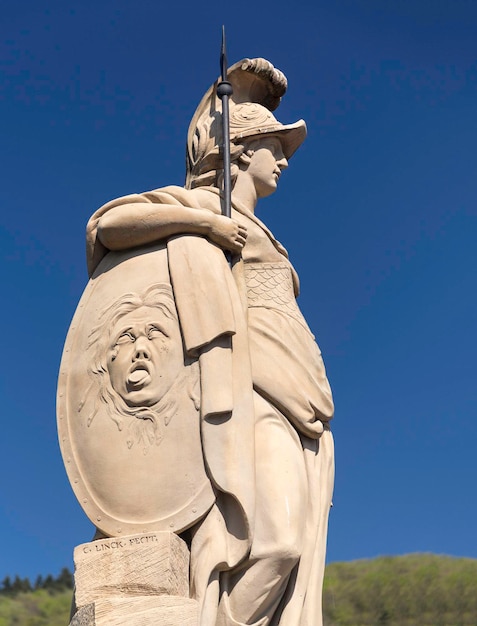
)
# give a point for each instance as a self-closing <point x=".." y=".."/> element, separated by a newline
<point x="194" y="398"/>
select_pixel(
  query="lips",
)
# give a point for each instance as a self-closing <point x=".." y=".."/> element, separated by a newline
<point x="138" y="376"/>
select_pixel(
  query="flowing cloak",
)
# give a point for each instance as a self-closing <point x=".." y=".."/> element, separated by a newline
<point x="212" y="307"/>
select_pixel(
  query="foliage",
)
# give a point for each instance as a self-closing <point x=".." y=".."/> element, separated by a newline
<point x="413" y="590"/>
<point x="46" y="603"/>
<point x="35" y="608"/>
<point x="53" y="585"/>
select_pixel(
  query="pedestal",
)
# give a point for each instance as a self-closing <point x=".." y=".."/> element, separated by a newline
<point x="137" y="580"/>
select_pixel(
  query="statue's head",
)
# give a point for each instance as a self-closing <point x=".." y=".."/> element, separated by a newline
<point x="257" y="91"/>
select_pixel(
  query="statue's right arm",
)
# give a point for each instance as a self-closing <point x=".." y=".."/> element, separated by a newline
<point x="141" y="223"/>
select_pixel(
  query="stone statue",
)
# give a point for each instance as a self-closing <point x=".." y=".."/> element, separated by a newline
<point x="193" y="397"/>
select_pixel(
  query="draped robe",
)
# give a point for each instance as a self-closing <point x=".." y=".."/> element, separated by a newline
<point x="245" y="345"/>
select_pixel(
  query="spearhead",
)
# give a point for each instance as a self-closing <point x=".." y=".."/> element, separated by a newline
<point x="223" y="57"/>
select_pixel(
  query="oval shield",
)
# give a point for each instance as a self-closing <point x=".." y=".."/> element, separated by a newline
<point x="128" y="402"/>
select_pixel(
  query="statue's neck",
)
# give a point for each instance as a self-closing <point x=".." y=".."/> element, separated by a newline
<point x="244" y="192"/>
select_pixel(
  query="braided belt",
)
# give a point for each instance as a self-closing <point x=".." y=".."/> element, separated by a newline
<point x="270" y="285"/>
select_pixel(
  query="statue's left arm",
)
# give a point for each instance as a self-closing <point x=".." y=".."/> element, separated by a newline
<point x="141" y="219"/>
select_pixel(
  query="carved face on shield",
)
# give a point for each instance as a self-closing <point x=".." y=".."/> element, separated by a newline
<point x="138" y="347"/>
<point x="145" y="355"/>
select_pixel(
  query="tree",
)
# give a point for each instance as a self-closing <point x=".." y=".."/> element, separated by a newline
<point x="39" y="582"/>
<point x="65" y="579"/>
<point x="6" y="585"/>
<point x="49" y="583"/>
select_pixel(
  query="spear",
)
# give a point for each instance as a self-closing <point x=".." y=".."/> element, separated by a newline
<point x="224" y="91"/>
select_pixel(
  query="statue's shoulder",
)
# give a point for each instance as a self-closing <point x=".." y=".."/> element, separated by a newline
<point x="199" y="198"/>
<point x="208" y="198"/>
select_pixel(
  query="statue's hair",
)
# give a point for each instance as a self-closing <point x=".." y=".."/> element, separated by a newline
<point x="211" y="168"/>
<point x="158" y="296"/>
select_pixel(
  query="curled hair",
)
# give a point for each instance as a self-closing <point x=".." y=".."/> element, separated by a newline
<point x="209" y="171"/>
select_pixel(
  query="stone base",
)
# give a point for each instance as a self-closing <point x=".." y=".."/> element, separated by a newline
<point x="161" y="611"/>
<point x="137" y="580"/>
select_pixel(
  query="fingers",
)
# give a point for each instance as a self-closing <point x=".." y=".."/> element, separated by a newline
<point x="237" y="235"/>
<point x="241" y="228"/>
<point x="228" y="233"/>
<point x="242" y="234"/>
<point x="237" y="245"/>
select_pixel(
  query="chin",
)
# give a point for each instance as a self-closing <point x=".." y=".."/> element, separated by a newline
<point x="264" y="193"/>
<point x="139" y="399"/>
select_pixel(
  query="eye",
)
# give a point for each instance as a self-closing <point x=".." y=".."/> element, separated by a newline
<point x="153" y="332"/>
<point x="125" y="337"/>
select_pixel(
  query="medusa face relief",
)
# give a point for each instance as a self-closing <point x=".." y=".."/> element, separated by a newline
<point x="145" y="355"/>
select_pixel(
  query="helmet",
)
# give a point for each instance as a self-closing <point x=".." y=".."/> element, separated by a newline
<point x="257" y="90"/>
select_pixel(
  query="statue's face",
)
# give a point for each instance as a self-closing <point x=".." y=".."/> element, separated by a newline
<point x="145" y="357"/>
<point x="266" y="165"/>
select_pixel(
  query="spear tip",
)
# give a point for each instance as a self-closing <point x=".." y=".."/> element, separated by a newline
<point x="223" y="56"/>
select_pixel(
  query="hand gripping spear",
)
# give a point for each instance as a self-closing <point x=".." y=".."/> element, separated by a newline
<point x="224" y="91"/>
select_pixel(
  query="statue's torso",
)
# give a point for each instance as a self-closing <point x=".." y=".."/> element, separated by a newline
<point x="287" y="366"/>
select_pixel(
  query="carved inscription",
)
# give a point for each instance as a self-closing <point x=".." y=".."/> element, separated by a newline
<point x="108" y="545"/>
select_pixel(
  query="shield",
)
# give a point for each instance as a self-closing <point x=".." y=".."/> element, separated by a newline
<point x="128" y="405"/>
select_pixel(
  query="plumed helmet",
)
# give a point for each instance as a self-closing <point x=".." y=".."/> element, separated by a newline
<point x="257" y="91"/>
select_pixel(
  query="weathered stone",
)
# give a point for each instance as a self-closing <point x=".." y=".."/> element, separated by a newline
<point x="141" y="611"/>
<point x="192" y="396"/>
<point x="152" y="564"/>
<point x="147" y="611"/>
<point x="85" y="616"/>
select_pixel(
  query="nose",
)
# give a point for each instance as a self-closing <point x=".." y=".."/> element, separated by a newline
<point x="282" y="163"/>
<point x="141" y="352"/>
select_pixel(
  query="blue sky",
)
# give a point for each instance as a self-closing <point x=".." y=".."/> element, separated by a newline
<point x="377" y="210"/>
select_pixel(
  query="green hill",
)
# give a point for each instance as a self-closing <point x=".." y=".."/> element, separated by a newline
<point x="36" y="608"/>
<point x="413" y="590"/>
